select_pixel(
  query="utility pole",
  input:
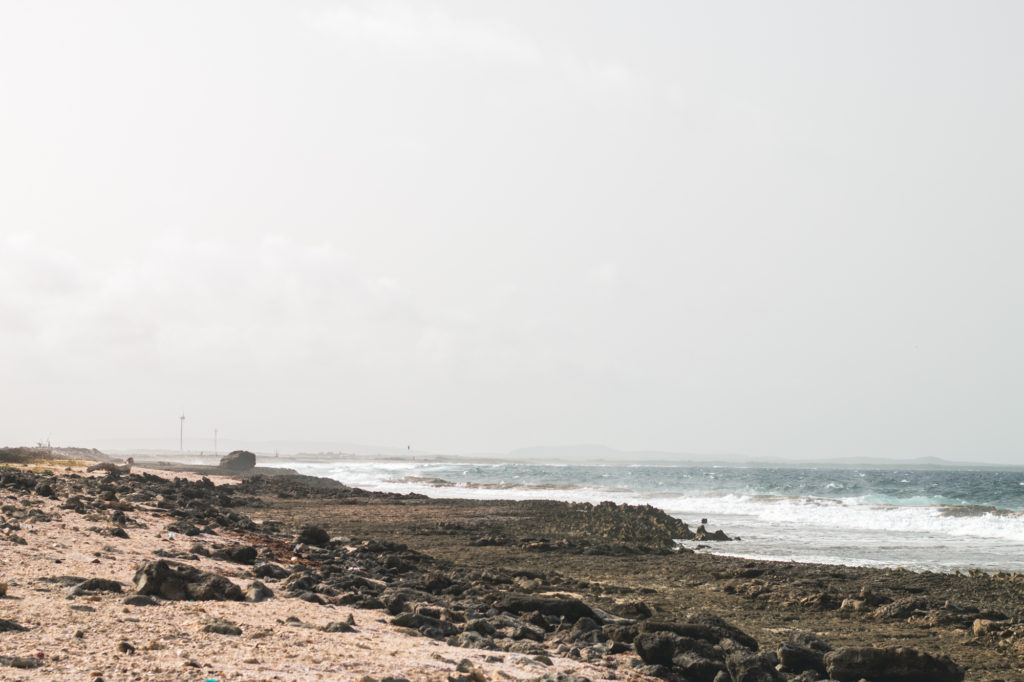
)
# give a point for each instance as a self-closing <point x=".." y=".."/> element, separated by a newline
<point x="181" y="433"/>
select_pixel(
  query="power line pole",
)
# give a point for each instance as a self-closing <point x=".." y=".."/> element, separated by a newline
<point x="181" y="433"/>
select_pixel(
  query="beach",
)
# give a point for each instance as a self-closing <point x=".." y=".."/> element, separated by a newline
<point x="291" y="577"/>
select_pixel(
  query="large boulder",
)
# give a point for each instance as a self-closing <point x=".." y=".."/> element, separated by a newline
<point x="897" y="664"/>
<point x="239" y="460"/>
<point x="171" y="580"/>
<point x="570" y="608"/>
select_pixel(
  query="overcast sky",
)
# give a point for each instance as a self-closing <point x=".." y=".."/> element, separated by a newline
<point x="790" y="229"/>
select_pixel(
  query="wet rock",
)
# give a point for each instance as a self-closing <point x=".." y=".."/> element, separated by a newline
<point x="704" y="535"/>
<point x="175" y="581"/>
<point x="239" y="460"/>
<point x="899" y="664"/>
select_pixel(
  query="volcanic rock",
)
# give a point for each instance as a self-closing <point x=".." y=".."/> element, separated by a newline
<point x="899" y="664"/>
<point x="239" y="460"/>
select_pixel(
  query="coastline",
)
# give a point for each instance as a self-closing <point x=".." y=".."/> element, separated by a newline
<point x="614" y="561"/>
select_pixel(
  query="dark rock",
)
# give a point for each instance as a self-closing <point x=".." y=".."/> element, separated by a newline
<point x="313" y="535"/>
<point x="656" y="648"/>
<point x="528" y="632"/>
<point x="97" y="585"/>
<point x="417" y="621"/>
<point x="809" y="640"/>
<point x="481" y="626"/>
<point x="705" y="627"/>
<point x="472" y="640"/>
<point x="570" y="608"/>
<point x="271" y="571"/>
<point x="239" y="460"/>
<point x="125" y="647"/>
<point x="902" y="608"/>
<point x="633" y="608"/>
<point x="696" y="668"/>
<point x="339" y="626"/>
<point x="175" y="581"/>
<point x="140" y="600"/>
<point x="899" y="664"/>
<point x="24" y="662"/>
<point x="183" y="527"/>
<point x="222" y="627"/>
<point x="744" y="666"/>
<point x="239" y="554"/>
<point x="257" y="592"/>
<point x="11" y="626"/>
<point x="795" y="658"/>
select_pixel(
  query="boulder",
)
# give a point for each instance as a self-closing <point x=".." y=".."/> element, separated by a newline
<point x="569" y="607"/>
<point x="313" y="535"/>
<point x="745" y="666"/>
<point x="897" y="664"/>
<point x="795" y="658"/>
<point x="171" y="580"/>
<point x="96" y="585"/>
<point x="239" y="554"/>
<point x="257" y="592"/>
<point x="239" y="460"/>
<point x="656" y="648"/>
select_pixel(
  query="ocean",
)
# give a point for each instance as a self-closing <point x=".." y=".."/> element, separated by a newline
<point x="921" y="519"/>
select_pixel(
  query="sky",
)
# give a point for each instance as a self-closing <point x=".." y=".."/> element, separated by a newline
<point x="786" y="229"/>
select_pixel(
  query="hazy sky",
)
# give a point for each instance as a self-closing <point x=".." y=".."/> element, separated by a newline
<point x="789" y="229"/>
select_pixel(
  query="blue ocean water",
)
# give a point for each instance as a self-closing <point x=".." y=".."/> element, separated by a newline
<point x="920" y="519"/>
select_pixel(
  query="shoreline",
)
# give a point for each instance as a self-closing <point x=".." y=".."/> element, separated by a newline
<point x="456" y="563"/>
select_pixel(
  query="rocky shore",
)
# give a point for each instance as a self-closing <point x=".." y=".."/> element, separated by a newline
<point x="184" y="576"/>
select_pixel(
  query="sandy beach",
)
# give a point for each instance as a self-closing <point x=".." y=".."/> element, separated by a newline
<point x="292" y="578"/>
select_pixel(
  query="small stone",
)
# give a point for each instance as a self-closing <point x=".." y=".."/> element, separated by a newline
<point x="222" y="627"/>
<point x="125" y="648"/>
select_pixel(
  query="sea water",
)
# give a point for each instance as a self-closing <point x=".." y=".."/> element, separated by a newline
<point x="931" y="519"/>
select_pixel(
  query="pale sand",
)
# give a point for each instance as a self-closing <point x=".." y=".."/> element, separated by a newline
<point x="169" y="636"/>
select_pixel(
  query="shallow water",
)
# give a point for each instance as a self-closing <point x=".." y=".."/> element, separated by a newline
<point x="939" y="520"/>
